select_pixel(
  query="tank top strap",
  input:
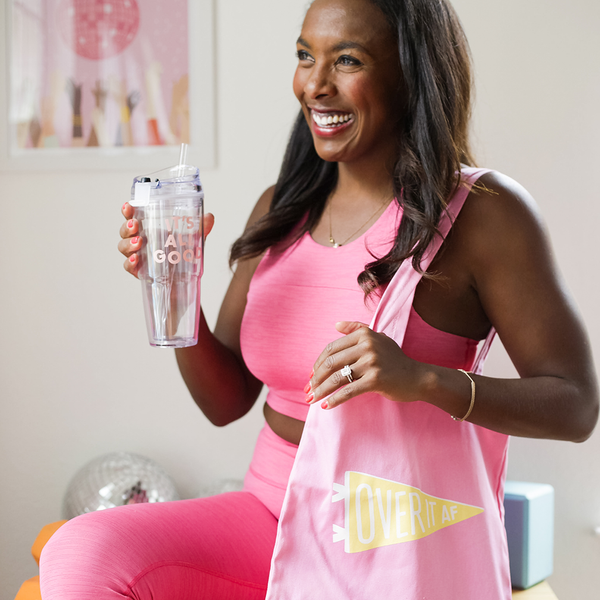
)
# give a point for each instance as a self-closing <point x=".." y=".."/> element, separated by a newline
<point x="393" y="310"/>
<point x="470" y="175"/>
<point x="483" y="352"/>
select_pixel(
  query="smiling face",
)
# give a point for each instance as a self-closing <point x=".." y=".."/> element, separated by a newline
<point x="348" y="81"/>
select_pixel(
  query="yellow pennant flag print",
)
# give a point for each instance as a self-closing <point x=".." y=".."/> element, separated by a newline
<point x="379" y="512"/>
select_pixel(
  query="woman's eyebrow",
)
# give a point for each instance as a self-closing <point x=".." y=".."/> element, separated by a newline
<point x="343" y="45"/>
<point x="348" y="45"/>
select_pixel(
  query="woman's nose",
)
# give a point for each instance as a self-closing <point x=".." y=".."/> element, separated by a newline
<point x="319" y="83"/>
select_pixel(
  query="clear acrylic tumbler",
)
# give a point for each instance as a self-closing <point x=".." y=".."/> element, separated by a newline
<point x="169" y="206"/>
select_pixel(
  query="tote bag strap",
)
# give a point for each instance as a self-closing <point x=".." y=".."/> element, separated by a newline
<point x="483" y="352"/>
<point x="389" y="316"/>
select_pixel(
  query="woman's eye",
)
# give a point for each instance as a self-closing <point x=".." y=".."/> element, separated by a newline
<point x="302" y="55"/>
<point x="348" y="61"/>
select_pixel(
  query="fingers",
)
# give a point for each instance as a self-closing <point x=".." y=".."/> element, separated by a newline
<point x="127" y="210"/>
<point x="209" y="221"/>
<point x="327" y="377"/>
<point x="131" y="241"/>
<point x="332" y="349"/>
<point x="349" y="326"/>
<point x="327" y="374"/>
<point x="368" y="356"/>
<point x="337" y="385"/>
<point x="132" y="265"/>
<point x="128" y="246"/>
<point x="345" y="393"/>
<point x="129" y="228"/>
<point x="339" y="345"/>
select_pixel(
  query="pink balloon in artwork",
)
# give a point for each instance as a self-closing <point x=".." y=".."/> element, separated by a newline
<point x="98" y="29"/>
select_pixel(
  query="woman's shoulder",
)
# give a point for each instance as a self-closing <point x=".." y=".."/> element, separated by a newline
<point x="495" y="191"/>
<point x="499" y="212"/>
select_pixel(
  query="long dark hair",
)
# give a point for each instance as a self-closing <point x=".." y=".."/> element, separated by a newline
<point x="433" y="142"/>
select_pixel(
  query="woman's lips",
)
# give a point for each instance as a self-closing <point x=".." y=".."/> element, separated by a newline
<point x="327" y="124"/>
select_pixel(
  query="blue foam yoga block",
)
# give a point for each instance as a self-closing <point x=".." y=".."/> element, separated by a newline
<point x="529" y="521"/>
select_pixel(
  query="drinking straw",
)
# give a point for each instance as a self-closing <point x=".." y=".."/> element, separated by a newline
<point x="182" y="157"/>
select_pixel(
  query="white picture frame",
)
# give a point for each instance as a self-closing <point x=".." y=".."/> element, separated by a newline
<point x="137" y="159"/>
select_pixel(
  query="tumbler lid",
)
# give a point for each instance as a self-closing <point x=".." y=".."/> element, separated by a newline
<point x="180" y="179"/>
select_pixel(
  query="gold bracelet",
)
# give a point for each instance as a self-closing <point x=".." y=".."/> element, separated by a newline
<point x="472" y="398"/>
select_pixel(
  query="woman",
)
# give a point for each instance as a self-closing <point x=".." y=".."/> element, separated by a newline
<point x="384" y="88"/>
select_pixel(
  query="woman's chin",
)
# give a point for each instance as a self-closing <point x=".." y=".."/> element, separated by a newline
<point x="330" y="153"/>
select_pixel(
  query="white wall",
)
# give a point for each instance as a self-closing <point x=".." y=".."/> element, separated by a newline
<point x="538" y="79"/>
<point x="77" y="378"/>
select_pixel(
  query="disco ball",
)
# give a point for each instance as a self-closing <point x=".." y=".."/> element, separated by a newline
<point x="117" y="479"/>
<point x="98" y="29"/>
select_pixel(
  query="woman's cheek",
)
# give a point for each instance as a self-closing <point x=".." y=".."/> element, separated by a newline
<point x="298" y="85"/>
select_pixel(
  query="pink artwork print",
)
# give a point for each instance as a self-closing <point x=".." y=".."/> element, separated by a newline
<point x="99" y="73"/>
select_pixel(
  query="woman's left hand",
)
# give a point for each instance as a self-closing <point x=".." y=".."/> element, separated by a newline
<point x="377" y="363"/>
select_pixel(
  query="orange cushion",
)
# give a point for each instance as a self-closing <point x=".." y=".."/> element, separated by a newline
<point x="43" y="536"/>
<point x="30" y="590"/>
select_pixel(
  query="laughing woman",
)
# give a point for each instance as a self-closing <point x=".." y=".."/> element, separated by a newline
<point x="378" y="159"/>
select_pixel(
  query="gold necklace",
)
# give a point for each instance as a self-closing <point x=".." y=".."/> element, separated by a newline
<point x="336" y="244"/>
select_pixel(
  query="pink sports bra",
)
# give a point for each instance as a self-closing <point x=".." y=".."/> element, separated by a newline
<point x="298" y="294"/>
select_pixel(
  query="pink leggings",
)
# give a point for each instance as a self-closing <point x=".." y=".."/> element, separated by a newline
<point x="216" y="548"/>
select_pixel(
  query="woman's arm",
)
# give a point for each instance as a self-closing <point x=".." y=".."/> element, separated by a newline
<point x="213" y="370"/>
<point x="523" y="295"/>
<point x="509" y="265"/>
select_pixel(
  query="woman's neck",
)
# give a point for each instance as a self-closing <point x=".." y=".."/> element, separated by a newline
<point x="363" y="182"/>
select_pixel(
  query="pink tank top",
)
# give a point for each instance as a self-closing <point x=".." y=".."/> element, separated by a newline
<point x="295" y="299"/>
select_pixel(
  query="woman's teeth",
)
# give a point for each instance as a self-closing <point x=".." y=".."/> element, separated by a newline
<point x="331" y="120"/>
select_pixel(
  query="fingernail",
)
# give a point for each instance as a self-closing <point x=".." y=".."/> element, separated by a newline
<point x="130" y="223"/>
<point x="135" y="239"/>
<point x="132" y="258"/>
<point x="312" y="374"/>
<point x="309" y="398"/>
<point x="325" y="404"/>
<point x="307" y="388"/>
<point x="124" y="206"/>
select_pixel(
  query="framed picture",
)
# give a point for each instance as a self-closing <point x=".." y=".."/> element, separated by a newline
<point x="106" y="84"/>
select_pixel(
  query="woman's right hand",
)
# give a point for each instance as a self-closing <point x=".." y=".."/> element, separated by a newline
<point x="131" y="242"/>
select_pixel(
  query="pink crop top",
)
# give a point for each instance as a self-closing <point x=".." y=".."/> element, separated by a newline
<point x="295" y="299"/>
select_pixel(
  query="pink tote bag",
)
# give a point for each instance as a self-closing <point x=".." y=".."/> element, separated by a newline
<point x="392" y="500"/>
